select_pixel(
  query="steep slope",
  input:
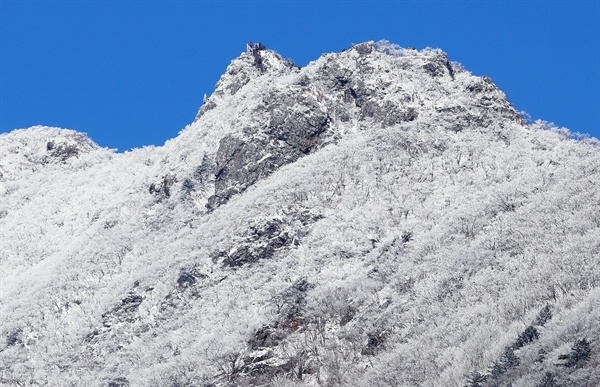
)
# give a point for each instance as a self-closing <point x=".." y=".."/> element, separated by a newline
<point x="378" y="217"/>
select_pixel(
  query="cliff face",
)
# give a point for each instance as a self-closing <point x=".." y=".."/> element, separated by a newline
<point x="378" y="217"/>
<point x="268" y="114"/>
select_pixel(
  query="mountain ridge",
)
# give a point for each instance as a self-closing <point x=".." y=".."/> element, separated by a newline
<point x="313" y="226"/>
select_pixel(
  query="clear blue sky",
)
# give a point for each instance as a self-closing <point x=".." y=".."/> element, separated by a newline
<point x="133" y="73"/>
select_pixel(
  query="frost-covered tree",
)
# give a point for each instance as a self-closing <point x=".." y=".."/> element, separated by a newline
<point x="378" y="217"/>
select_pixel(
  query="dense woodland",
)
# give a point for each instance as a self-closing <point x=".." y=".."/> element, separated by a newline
<point x="380" y="217"/>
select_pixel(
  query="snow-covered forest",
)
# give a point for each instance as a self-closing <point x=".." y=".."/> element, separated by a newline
<point x="380" y="217"/>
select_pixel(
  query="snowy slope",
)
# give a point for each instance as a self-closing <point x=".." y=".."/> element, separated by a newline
<point x="378" y="217"/>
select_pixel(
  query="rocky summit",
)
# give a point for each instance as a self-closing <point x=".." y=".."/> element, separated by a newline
<point x="379" y="217"/>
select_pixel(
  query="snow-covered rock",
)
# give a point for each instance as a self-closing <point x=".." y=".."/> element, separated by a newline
<point x="379" y="217"/>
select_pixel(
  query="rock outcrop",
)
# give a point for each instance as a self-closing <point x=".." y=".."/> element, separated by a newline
<point x="380" y="217"/>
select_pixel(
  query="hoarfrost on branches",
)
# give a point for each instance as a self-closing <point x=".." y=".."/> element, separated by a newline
<point x="379" y="217"/>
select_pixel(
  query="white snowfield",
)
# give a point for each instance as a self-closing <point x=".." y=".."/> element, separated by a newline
<point x="380" y="217"/>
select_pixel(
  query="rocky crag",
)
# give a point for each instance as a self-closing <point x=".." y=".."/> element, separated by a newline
<point x="380" y="217"/>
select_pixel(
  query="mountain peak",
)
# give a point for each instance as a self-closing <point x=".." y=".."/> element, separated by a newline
<point x="266" y="113"/>
<point x="379" y="217"/>
<point x="41" y="146"/>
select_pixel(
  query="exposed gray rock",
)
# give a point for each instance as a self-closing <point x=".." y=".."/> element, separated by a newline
<point x="295" y="128"/>
<point x="13" y="337"/>
<point x="364" y="48"/>
<point x="60" y="150"/>
<point x="417" y="221"/>
<point x="264" y="239"/>
<point x="293" y="122"/>
<point x="208" y="105"/>
<point x="119" y="382"/>
<point x="124" y="312"/>
<point x="162" y="187"/>
<point x="261" y="242"/>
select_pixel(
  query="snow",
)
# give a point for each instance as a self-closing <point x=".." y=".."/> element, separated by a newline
<point x="438" y="238"/>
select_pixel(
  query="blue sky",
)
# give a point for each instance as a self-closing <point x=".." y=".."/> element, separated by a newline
<point x="133" y="73"/>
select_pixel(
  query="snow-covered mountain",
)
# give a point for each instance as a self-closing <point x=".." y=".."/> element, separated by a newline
<point x="380" y="217"/>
